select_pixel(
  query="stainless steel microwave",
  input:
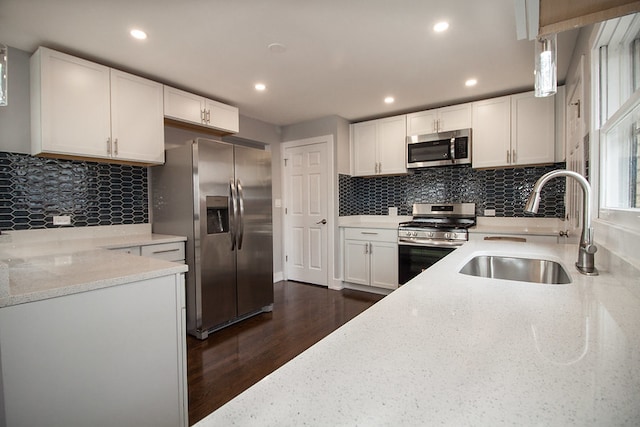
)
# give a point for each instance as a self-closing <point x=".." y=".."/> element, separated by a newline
<point x="439" y="149"/>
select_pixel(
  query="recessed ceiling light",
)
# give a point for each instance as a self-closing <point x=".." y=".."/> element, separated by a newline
<point x="138" y="34"/>
<point x="260" y="86"/>
<point x="471" y="82"/>
<point x="441" y="26"/>
<point x="389" y="100"/>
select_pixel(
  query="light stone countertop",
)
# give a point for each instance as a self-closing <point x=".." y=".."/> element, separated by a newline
<point x="452" y="349"/>
<point x="519" y="226"/>
<point x="59" y="262"/>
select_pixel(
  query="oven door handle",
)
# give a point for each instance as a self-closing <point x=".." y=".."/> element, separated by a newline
<point x="430" y="244"/>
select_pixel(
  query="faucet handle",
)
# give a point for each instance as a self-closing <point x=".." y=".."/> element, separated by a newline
<point x="590" y="249"/>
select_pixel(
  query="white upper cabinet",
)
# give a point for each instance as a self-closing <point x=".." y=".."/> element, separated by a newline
<point x="533" y="131"/>
<point x="491" y="133"/>
<point x="188" y="107"/>
<point x="439" y="120"/>
<point x="80" y="109"/>
<point x="137" y="120"/>
<point x="70" y="105"/>
<point x="378" y="147"/>
<point x="513" y="130"/>
<point x="182" y="105"/>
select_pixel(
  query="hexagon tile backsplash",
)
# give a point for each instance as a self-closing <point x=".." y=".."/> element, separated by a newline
<point x="33" y="190"/>
<point x="505" y="190"/>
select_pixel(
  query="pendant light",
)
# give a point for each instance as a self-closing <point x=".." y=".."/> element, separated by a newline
<point x="4" y="55"/>
<point x="546" y="81"/>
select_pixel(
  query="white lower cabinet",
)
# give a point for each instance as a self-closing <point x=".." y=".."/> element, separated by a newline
<point x="371" y="257"/>
<point x="109" y="357"/>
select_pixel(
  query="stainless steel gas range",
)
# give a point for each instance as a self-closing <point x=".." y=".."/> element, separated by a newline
<point x="435" y="231"/>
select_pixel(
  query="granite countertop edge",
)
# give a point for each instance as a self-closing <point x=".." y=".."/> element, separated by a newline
<point x="39" y="269"/>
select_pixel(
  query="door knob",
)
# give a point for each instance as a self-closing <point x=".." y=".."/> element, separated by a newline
<point x="324" y="221"/>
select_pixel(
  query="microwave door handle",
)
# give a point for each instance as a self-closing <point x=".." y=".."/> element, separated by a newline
<point x="452" y="149"/>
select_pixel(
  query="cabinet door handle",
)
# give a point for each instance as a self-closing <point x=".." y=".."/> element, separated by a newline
<point x="513" y="156"/>
<point x="108" y="145"/>
<point x="208" y="116"/>
<point x="115" y="147"/>
<point x="366" y="248"/>
<point x="508" y="156"/>
<point x="379" y="167"/>
<point x="370" y="248"/>
<point x="203" y="116"/>
<point x="507" y="238"/>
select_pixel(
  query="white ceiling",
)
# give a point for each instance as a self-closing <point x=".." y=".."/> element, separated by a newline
<point x="342" y="56"/>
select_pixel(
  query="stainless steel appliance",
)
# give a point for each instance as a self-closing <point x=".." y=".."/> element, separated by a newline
<point x="219" y="196"/>
<point x="439" y="149"/>
<point x="435" y="231"/>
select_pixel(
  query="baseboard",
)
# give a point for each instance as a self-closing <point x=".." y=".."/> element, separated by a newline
<point x="371" y="289"/>
<point x="278" y="276"/>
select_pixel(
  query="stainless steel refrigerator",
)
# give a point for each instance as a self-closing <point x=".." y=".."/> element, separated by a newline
<point x="219" y="196"/>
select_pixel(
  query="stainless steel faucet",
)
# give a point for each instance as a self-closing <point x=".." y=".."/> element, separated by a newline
<point x="586" y="251"/>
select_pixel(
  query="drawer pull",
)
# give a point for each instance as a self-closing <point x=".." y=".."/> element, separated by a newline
<point x="165" y="251"/>
<point x="368" y="232"/>
<point x="507" y="238"/>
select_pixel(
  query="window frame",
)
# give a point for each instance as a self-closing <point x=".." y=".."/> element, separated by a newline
<point x="619" y="62"/>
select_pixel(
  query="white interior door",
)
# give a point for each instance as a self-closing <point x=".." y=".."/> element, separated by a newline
<point x="306" y="201"/>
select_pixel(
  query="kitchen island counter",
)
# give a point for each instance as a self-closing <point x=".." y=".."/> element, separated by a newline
<point x="452" y="349"/>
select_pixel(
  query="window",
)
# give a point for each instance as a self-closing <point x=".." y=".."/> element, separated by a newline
<point x="617" y="53"/>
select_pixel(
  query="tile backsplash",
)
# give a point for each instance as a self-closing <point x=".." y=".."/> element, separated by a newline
<point x="34" y="189"/>
<point x="505" y="190"/>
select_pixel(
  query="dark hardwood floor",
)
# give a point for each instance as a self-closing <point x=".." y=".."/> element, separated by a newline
<point x="231" y="360"/>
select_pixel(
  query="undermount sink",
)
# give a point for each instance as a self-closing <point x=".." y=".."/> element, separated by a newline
<point x="520" y="269"/>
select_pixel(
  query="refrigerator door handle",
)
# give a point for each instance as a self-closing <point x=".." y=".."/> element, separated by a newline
<point x="233" y="207"/>
<point x="241" y="217"/>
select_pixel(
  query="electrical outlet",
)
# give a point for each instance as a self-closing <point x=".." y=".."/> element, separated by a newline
<point x="62" y="220"/>
<point x="489" y="212"/>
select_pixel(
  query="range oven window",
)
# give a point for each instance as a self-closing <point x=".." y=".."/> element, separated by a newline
<point x="413" y="260"/>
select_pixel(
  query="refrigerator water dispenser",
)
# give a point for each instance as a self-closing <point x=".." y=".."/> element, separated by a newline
<point x="217" y="214"/>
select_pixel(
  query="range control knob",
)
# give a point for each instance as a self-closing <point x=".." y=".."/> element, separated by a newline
<point x="415" y="234"/>
<point x="431" y="233"/>
<point x="447" y="235"/>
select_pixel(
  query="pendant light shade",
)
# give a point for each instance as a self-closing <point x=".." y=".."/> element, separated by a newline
<point x="4" y="55"/>
<point x="546" y="81"/>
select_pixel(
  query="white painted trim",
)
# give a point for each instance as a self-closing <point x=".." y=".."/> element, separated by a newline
<point x="278" y="276"/>
<point x="332" y="214"/>
<point x="364" y="288"/>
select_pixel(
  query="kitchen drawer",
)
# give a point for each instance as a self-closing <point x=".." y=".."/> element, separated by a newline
<point x="166" y="251"/>
<point x="132" y="250"/>
<point x="372" y="234"/>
